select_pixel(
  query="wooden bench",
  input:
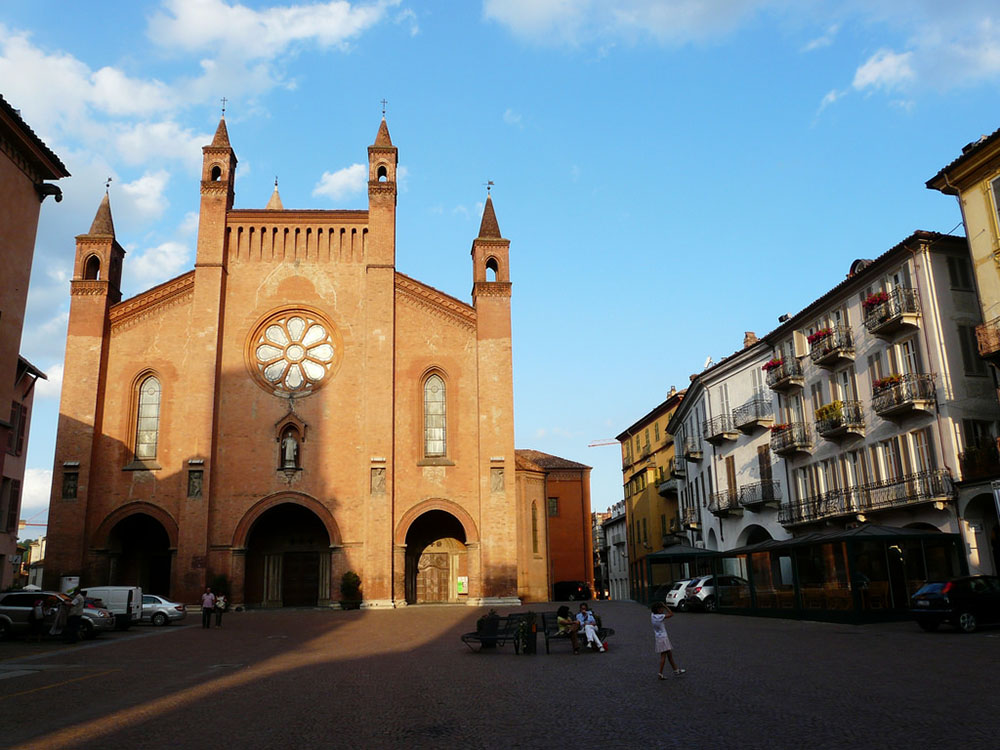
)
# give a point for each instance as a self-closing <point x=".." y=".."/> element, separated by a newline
<point x="550" y="628"/>
<point x="496" y="631"/>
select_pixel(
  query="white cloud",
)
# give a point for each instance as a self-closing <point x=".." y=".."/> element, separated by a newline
<point x="52" y="387"/>
<point x="342" y="183"/>
<point x="885" y="70"/>
<point x="408" y="15"/>
<point x="822" y="41"/>
<point x="512" y="118"/>
<point x="157" y="264"/>
<point x="831" y="96"/>
<point x="190" y="224"/>
<point x="236" y="31"/>
<point x="35" y="492"/>
<point x="146" y="194"/>
<point x="142" y="142"/>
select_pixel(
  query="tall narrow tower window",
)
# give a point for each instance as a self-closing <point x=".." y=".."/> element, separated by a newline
<point x="92" y="269"/>
<point x="434" y="417"/>
<point x="383" y="174"/>
<point x="492" y="269"/>
<point x="148" y="419"/>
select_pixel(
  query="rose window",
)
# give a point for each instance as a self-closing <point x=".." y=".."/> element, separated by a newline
<point x="294" y="353"/>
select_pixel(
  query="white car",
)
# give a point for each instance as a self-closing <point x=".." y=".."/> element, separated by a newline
<point x="677" y="596"/>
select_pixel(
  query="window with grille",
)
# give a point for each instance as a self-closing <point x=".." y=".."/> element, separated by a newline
<point x="435" y="417"/>
<point x="148" y="419"/>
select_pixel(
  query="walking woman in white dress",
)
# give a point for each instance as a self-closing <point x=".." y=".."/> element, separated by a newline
<point x="663" y="647"/>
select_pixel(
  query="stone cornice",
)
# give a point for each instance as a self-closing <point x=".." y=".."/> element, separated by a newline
<point x="491" y="289"/>
<point x="437" y="302"/>
<point x="138" y="307"/>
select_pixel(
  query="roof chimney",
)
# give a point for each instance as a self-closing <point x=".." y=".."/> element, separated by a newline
<point x="749" y="339"/>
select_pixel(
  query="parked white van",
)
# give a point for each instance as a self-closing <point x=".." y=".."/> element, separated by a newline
<point x="124" y="602"/>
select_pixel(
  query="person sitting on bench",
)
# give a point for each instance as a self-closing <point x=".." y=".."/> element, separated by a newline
<point x="589" y="626"/>
<point x="568" y="626"/>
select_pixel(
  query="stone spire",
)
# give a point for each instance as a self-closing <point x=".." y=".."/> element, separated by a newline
<point x="102" y="220"/>
<point x="221" y="139"/>
<point x="275" y="203"/>
<point x="489" y="227"/>
<point x="383" y="139"/>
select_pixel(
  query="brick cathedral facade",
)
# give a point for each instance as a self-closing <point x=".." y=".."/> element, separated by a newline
<point x="291" y="409"/>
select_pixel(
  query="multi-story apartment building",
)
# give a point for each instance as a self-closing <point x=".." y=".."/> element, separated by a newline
<point x="597" y="520"/>
<point x="650" y="489"/>
<point x="730" y="488"/>
<point x="869" y="395"/>
<point x="616" y="552"/>
<point x="974" y="179"/>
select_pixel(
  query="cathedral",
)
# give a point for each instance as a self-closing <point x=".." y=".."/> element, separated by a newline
<point x="291" y="409"/>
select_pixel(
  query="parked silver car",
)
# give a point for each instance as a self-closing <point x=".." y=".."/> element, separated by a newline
<point x="16" y="606"/>
<point x="161" y="611"/>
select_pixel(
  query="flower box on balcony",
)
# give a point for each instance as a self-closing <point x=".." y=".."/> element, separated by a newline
<point x="772" y="364"/>
<point x="831" y="346"/>
<point x="838" y="419"/>
<point x="887" y="312"/>
<point x="785" y="375"/>
<point x="899" y="395"/>
<point x="819" y="335"/>
<point x="876" y="298"/>
<point x="787" y="439"/>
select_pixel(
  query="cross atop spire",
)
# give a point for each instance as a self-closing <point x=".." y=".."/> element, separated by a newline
<point x="107" y="185"/>
<point x="384" y="102"/>
<point x="224" y="100"/>
<point x="488" y="184"/>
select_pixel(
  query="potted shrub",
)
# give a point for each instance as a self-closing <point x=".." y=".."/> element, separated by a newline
<point x="487" y="625"/>
<point x="350" y="590"/>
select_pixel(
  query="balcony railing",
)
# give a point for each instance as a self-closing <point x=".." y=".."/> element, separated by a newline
<point x="692" y="449"/>
<point x="791" y="438"/>
<point x="899" y="394"/>
<point x="831" y="346"/>
<point x="678" y="467"/>
<point x="980" y="461"/>
<point x="786" y="375"/>
<point x="912" y="489"/>
<point x="988" y="338"/>
<point x="886" y="312"/>
<point x="753" y="414"/>
<point x="668" y="487"/>
<point x="840" y="418"/>
<point x="755" y="495"/>
<point x="719" y="429"/>
<point x="689" y="517"/>
<point x="725" y="503"/>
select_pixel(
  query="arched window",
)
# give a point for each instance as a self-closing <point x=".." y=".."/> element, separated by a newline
<point x="383" y="174"/>
<point x="216" y="173"/>
<point x="434" y="417"/>
<point x="534" y="528"/>
<point x="147" y="428"/>
<point x="92" y="268"/>
<point x="492" y="269"/>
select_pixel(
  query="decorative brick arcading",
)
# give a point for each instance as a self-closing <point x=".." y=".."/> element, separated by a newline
<point x="79" y="286"/>
<point x="124" y="314"/>
<point x="436" y="302"/>
<point x="492" y="289"/>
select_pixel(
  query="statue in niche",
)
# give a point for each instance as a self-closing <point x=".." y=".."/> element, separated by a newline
<point x="289" y="450"/>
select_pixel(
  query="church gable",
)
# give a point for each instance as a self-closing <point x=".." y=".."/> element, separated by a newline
<point x="427" y="298"/>
<point x="151" y="302"/>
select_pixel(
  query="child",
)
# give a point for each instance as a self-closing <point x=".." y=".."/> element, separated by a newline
<point x="663" y="648"/>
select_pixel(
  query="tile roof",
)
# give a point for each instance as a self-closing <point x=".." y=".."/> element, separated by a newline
<point x="544" y="461"/>
<point x="969" y="151"/>
<point x="43" y="157"/>
<point x="489" y="229"/>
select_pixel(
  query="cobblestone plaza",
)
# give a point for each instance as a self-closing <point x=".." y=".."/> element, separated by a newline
<point x="307" y="678"/>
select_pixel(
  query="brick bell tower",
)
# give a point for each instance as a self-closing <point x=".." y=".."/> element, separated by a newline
<point x="491" y="293"/>
<point x="95" y="287"/>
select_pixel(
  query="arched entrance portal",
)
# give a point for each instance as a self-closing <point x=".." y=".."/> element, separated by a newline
<point x="983" y="534"/>
<point x="753" y="534"/>
<point x="435" y="558"/>
<point x="287" y="559"/>
<point x="139" y="552"/>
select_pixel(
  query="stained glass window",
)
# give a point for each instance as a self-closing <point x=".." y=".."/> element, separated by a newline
<point x="434" y="416"/>
<point x="148" y="422"/>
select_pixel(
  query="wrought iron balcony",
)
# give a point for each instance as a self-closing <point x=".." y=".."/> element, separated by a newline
<point x="689" y="517"/>
<point x="678" y="467"/>
<point x="887" y="312"/>
<point x="753" y="414"/>
<point x="724" y="504"/>
<point x="980" y="461"/>
<point x="913" y="489"/>
<point x="669" y="487"/>
<point x="839" y="419"/>
<point x="831" y="346"/>
<point x="692" y="449"/>
<point x="898" y="395"/>
<point x="784" y="374"/>
<point x="988" y="338"/>
<point x="794" y="437"/>
<point x="719" y="429"/>
<point x="756" y="495"/>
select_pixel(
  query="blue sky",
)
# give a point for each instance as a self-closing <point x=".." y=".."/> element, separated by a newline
<point x="670" y="174"/>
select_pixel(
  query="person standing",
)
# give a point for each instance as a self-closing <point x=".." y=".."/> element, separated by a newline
<point x="220" y="607"/>
<point x="35" y="620"/>
<point x="589" y="627"/>
<point x="207" y="607"/>
<point x="663" y="647"/>
<point x="75" y="614"/>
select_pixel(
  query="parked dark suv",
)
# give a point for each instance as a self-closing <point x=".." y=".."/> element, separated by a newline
<point x="570" y="591"/>
<point x="965" y="603"/>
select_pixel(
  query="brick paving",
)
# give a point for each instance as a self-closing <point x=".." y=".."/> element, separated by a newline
<point x="304" y="678"/>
